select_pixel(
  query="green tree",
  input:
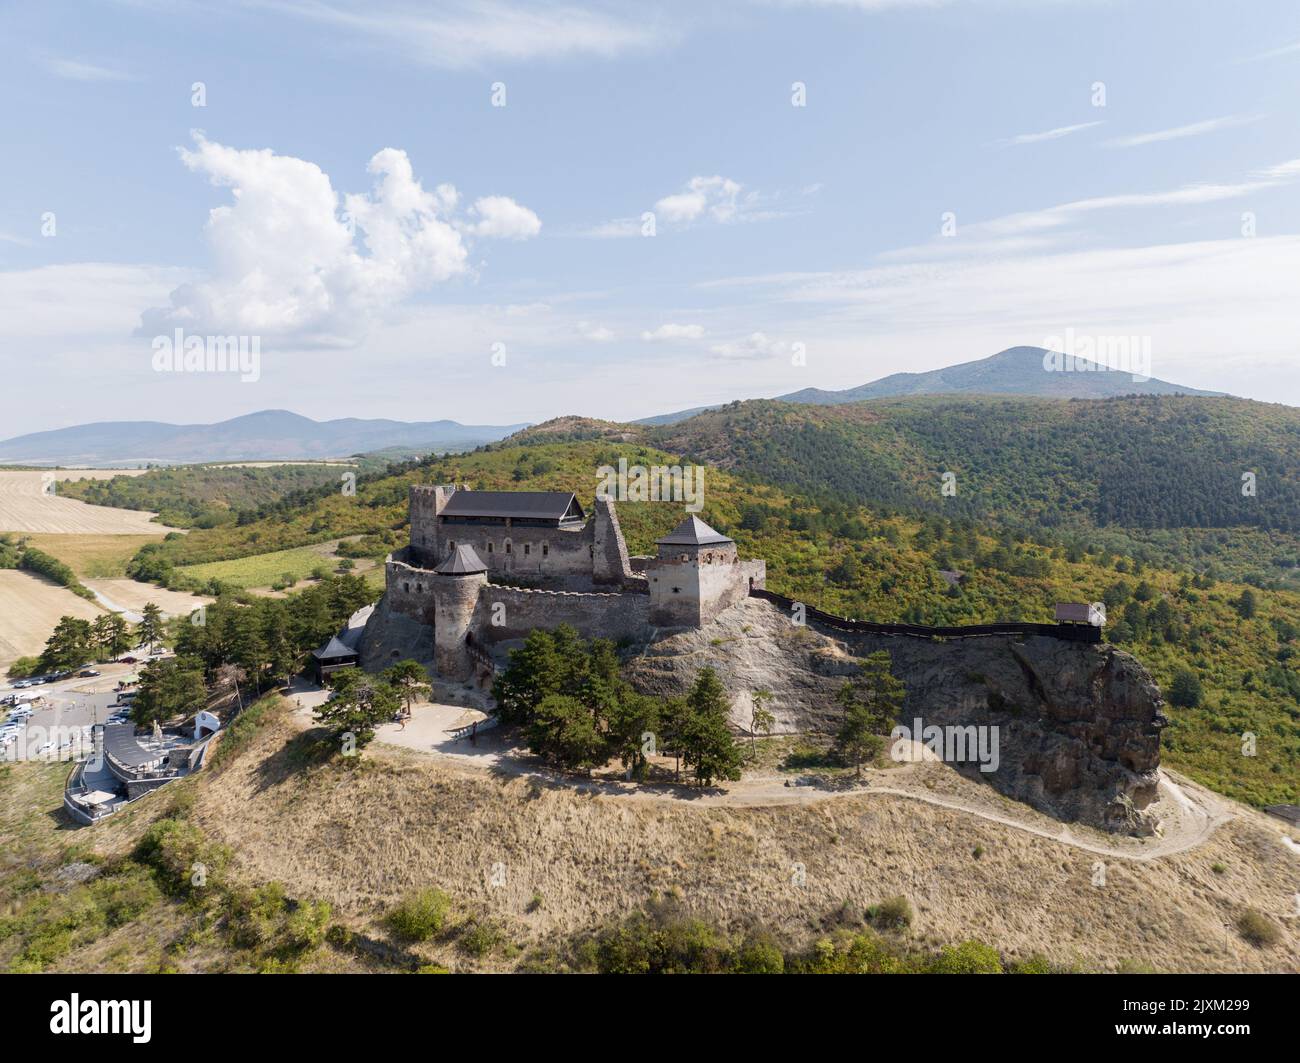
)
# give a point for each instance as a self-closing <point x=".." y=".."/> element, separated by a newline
<point x="632" y="717"/>
<point x="872" y="701"/>
<point x="358" y="705"/>
<point x="150" y="629"/>
<point x="169" y="688"/>
<point x="409" y="679"/>
<point x="566" y="730"/>
<point x="706" y="741"/>
<point x="1246" y="604"/>
<point x="1185" y="689"/>
<point x="69" y="646"/>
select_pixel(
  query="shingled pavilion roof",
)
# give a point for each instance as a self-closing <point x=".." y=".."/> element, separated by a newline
<point x="462" y="561"/>
<point x="692" y="532"/>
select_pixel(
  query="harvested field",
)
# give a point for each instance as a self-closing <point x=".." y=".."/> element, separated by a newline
<point x="94" y="556"/>
<point x="25" y="507"/>
<point x="30" y="606"/>
<point x="133" y="596"/>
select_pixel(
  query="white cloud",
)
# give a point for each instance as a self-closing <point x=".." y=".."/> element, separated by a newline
<point x="1194" y="129"/>
<point x="75" y="70"/>
<point x="617" y="229"/>
<point x="460" y="33"/>
<point x="717" y="196"/>
<point x="671" y="332"/>
<point x="755" y="345"/>
<point x="1050" y="134"/>
<point x="503" y="218"/>
<point x="596" y="333"/>
<point x="287" y="264"/>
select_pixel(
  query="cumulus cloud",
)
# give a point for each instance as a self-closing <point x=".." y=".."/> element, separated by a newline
<point x="671" y="332"/>
<point x="715" y="196"/>
<point x="755" y="345"/>
<point x="288" y="264"/>
<point x="503" y="218"/>
<point x="596" y="333"/>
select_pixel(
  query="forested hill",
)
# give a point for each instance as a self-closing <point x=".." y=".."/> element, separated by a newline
<point x="1138" y="462"/>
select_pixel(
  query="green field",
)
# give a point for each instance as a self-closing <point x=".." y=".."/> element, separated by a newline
<point x="261" y="570"/>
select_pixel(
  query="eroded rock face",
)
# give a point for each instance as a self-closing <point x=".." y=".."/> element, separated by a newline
<point x="1078" y="725"/>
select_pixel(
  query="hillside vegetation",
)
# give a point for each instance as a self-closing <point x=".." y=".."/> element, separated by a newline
<point x="1232" y="667"/>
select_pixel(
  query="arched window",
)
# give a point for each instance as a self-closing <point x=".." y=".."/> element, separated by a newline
<point x="406" y="587"/>
<point x="546" y="549"/>
<point x="508" y="550"/>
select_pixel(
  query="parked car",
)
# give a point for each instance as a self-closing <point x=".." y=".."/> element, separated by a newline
<point x="89" y="673"/>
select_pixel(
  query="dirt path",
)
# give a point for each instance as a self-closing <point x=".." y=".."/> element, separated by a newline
<point x="1193" y="813"/>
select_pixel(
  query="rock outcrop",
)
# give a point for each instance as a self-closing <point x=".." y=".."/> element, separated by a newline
<point x="1078" y="724"/>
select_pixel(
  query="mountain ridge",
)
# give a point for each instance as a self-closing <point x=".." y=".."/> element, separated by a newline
<point x="263" y="435"/>
<point x="1015" y="371"/>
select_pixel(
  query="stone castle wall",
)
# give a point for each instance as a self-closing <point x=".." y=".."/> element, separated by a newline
<point x="511" y="613"/>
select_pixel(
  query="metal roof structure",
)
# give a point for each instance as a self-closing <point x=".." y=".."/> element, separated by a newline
<point x="120" y="744"/>
<point x="693" y="532"/>
<point x="462" y="561"/>
<point x="520" y="505"/>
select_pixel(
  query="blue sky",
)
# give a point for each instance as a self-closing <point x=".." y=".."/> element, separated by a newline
<point x="793" y="246"/>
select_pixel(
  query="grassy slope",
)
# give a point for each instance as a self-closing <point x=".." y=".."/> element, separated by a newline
<point x="362" y="836"/>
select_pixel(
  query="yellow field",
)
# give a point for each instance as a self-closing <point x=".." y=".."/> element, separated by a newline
<point x="132" y="596"/>
<point x="30" y="606"/>
<point x="26" y="507"/>
<point x="93" y="556"/>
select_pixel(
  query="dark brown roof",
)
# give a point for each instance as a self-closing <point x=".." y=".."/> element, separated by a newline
<point x="543" y="505"/>
<point x="693" y="532"/>
<point x="462" y="561"/>
<point x="332" y="649"/>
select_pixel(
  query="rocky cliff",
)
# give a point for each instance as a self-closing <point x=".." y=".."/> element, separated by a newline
<point x="1078" y="725"/>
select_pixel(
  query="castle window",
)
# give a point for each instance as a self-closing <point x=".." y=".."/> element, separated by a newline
<point x="525" y="549"/>
<point x="508" y="550"/>
<point x="451" y="546"/>
<point x="419" y="588"/>
<point x="406" y="587"/>
<point x="545" y="549"/>
<point x="708" y="558"/>
<point x="489" y="548"/>
<point x="677" y="590"/>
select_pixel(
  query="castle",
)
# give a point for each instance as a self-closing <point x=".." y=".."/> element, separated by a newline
<point x="486" y="566"/>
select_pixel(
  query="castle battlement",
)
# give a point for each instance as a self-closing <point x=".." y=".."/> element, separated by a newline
<point x="461" y="539"/>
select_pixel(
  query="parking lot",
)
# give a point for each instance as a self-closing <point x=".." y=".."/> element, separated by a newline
<point x="62" y="714"/>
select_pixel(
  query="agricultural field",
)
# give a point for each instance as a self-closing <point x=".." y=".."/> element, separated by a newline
<point x="30" y="606"/>
<point x="26" y="507"/>
<point x="262" y="570"/>
<point x="92" y="556"/>
<point x="131" y="596"/>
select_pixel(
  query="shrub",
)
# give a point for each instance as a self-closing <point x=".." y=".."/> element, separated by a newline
<point x="970" y="957"/>
<point x="759" y="954"/>
<point x="420" y="916"/>
<point x="480" y="938"/>
<point x="892" y="914"/>
<point x="1258" y="929"/>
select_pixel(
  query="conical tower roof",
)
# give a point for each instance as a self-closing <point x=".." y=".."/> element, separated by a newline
<point x="692" y="532"/>
<point x="462" y="561"/>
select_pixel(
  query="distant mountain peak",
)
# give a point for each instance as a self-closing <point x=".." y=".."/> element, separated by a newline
<point x="271" y="435"/>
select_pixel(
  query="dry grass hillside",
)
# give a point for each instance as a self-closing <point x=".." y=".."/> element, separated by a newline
<point x="364" y="837"/>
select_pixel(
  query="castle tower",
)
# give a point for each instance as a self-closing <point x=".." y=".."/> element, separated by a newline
<point x="456" y="586"/>
<point x="695" y="576"/>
